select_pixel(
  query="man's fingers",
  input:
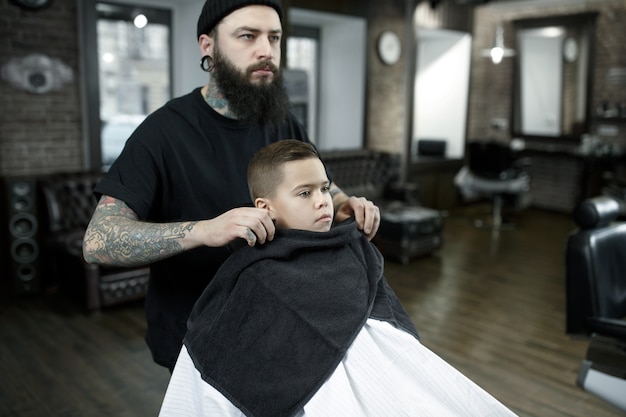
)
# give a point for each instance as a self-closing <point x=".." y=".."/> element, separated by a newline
<point x="366" y="214"/>
<point x="372" y="220"/>
<point x="368" y="217"/>
<point x="250" y="237"/>
<point x="260" y="229"/>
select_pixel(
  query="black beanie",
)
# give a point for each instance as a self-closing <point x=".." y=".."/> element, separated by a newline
<point x="215" y="10"/>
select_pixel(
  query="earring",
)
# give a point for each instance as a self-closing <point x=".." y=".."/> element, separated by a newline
<point x="206" y="63"/>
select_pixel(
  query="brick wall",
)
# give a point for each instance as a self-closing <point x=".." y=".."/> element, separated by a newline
<point x="492" y="85"/>
<point x="40" y="133"/>
<point x="386" y="106"/>
<point x="390" y="88"/>
<point x="386" y="109"/>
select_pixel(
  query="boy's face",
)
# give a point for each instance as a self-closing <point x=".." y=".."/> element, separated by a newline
<point x="302" y="200"/>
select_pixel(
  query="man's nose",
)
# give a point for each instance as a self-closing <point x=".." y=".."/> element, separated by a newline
<point x="265" y="50"/>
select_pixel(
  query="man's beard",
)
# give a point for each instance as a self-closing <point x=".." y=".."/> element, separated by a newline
<point x="265" y="103"/>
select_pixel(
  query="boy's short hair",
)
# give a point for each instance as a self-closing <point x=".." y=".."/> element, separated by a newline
<point x="265" y="169"/>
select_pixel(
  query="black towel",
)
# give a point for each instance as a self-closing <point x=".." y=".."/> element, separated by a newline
<point x="277" y="319"/>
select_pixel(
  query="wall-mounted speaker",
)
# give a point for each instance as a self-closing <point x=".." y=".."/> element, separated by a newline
<point x="22" y="231"/>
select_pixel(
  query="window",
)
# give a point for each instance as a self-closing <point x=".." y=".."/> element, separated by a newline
<point x="303" y="67"/>
<point x="127" y="73"/>
<point x="133" y="70"/>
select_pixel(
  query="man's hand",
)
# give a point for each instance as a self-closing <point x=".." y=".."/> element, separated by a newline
<point x="365" y="212"/>
<point x="254" y="225"/>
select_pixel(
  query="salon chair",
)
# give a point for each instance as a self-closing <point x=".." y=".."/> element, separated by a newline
<point x="494" y="170"/>
<point x="595" y="262"/>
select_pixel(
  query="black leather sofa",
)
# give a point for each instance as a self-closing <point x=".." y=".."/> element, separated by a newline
<point x="68" y="205"/>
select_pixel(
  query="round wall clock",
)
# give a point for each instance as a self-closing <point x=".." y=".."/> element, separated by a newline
<point x="570" y="49"/>
<point x="31" y="4"/>
<point x="389" y="47"/>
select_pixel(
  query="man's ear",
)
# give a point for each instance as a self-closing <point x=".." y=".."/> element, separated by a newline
<point x="206" y="44"/>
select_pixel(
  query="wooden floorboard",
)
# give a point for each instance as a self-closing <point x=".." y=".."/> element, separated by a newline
<point x="490" y="304"/>
<point x="56" y="360"/>
<point x="493" y="305"/>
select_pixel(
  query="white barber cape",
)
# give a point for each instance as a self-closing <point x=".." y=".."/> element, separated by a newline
<point x="385" y="372"/>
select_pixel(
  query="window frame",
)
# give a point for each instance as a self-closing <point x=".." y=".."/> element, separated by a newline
<point x="90" y="79"/>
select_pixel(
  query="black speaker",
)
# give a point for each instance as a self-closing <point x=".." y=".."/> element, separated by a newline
<point x="22" y="246"/>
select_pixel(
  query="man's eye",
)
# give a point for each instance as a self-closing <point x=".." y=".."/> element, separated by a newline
<point x="247" y="36"/>
<point x="305" y="194"/>
<point x="326" y="189"/>
<point x="275" y="39"/>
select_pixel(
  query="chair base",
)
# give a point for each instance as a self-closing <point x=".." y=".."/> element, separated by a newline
<point x="605" y="386"/>
<point x="603" y="372"/>
<point x="495" y="222"/>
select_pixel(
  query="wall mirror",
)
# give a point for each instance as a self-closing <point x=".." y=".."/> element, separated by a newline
<point x="553" y="76"/>
<point x="441" y="89"/>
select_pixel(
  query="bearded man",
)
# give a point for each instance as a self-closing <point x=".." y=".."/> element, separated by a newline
<point x="177" y="197"/>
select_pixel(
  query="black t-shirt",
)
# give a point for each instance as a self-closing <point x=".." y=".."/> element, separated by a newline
<point x="186" y="162"/>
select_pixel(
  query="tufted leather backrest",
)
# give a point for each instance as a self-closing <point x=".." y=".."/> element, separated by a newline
<point x="69" y="200"/>
<point x="595" y="266"/>
<point x="362" y="172"/>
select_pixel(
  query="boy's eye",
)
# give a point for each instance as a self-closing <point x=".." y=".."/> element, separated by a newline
<point x="326" y="189"/>
<point x="305" y="193"/>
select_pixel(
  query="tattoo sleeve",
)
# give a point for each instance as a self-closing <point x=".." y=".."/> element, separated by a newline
<point x="338" y="196"/>
<point x="115" y="236"/>
<point x="335" y="191"/>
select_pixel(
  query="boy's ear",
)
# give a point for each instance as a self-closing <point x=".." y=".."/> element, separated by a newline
<point x="263" y="203"/>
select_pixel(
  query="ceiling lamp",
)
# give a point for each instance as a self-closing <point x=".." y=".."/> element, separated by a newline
<point x="140" y="21"/>
<point x="498" y="51"/>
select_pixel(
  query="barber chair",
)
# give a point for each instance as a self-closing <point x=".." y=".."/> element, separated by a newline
<point x="495" y="171"/>
<point x="596" y="297"/>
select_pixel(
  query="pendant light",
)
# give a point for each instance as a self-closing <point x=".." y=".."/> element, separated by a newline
<point x="498" y="51"/>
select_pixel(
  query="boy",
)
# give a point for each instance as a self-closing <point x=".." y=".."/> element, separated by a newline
<point x="307" y="324"/>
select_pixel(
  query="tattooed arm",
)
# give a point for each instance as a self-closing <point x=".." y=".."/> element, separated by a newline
<point x="115" y="235"/>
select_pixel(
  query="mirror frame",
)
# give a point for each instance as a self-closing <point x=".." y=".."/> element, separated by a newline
<point x="587" y="23"/>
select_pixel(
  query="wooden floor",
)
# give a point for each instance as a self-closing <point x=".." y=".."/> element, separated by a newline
<point x="492" y="305"/>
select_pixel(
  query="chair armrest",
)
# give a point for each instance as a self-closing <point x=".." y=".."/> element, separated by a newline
<point x="607" y="327"/>
<point x="70" y="243"/>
